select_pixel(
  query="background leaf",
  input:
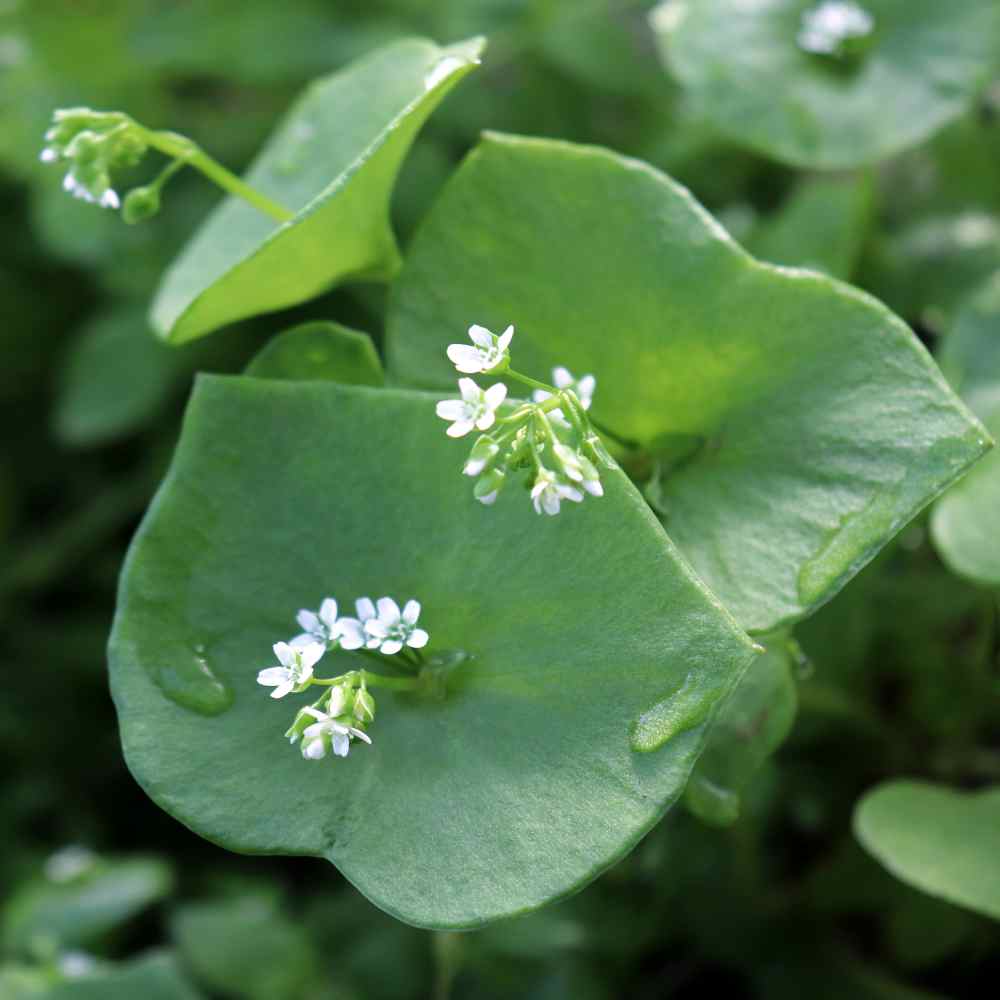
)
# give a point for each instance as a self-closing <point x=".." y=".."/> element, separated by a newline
<point x="751" y="78"/>
<point x="319" y="350"/>
<point x="760" y="395"/>
<point x="944" y="842"/>
<point x="520" y="785"/>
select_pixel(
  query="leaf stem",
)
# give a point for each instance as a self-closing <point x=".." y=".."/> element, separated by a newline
<point x="181" y="148"/>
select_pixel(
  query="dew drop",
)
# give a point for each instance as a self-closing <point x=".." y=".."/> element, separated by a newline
<point x="190" y="681"/>
<point x="687" y="707"/>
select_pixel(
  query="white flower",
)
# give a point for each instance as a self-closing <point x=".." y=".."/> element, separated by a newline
<point x="489" y="350"/>
<point x="826" y="27"/>
<point x="352" y="630"/>
<point x="296" y="668"/>
<point x="393" y="629"/>
<point x="475" y="409"/>
<point x="548" y="492"/>
<point x="109" y="199"/>
<point x="579" y="469"/>
<point x="328" y="732"/>
<point x="318" y="627"/>
<point x="562" y="378"/>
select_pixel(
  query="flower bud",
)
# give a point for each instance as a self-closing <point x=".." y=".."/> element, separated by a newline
<point x="489" y="485"/>
<point x="141" y="203"/>
<point x="364" y="705"/>
<point x="484" y="451"/>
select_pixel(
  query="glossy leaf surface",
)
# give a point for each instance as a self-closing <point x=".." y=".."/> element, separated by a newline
<point x="943" y="842"/>
<point x="508" y="783"/>
<point x="744" y="64"/>
<point x="333" y="162"/>
<point x="319" y="350"/>
<point x="795" y="422"/>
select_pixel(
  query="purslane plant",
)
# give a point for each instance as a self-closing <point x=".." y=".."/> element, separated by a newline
<point x="550" y="437"/>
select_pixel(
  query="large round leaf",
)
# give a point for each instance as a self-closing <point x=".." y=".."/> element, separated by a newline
<point x="799" y="423"/>
<point x="520" y="784"/>
<point x="943" y="842"/>
<point x="333" y="162"/>
<point x="743" y="62"/>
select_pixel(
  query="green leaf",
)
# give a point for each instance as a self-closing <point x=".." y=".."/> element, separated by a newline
<point x="244" y="947"/>
<point x="508" y="780"/>
<point x="966" y="522"/>
<point x="320" y="350"/>
<point x="761" y="393"/>
<point x="822" y="226"/>
<point x="943" y="842"/>
<point x="116" y="378"/>
<point x="752" y="723"/>
<point x="80" y="910"/>
<point x="153" y="976"/>
<point x="753" y="81"/>
<point x="333" y="161"/>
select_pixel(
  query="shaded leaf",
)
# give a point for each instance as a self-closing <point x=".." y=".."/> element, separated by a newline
<point x="319" y="350"/>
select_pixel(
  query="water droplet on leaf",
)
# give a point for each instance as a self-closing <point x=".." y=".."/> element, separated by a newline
<point x="687" y="707"/>
<point x="190" y="681"/>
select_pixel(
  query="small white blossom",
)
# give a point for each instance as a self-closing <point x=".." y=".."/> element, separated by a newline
<point x="826" y="27"/>
<point x="69" y="863"/>
<point x="75" y="964"/>
<point x="476" y="408"/>
<point x="296" y="668"/>
<point x="579" y="469"/>
<point x="109" y="199"/>
<point x="489" y="351"/>
<point x="318" y="626"/>
<point x="392" y="628"/>
<point x="562" y="378"/>
<point x="328" y="732"/>
<point x="548" y="492"/>
<point x="352" y="630"/>
<point x="48" y="155"/>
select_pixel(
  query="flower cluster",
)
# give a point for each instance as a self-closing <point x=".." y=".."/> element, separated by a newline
<point x="550" y="437"/>
<point x="346" y="707"/>
<point x="835" y="28"/>
<point x="93" y="144"/>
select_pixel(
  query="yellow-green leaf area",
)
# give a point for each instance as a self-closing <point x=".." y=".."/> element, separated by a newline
<point x="333" y="162"/>
<point x="789" y="423"/>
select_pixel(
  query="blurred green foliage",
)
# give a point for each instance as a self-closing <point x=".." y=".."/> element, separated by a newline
<point x="897" y="676"/>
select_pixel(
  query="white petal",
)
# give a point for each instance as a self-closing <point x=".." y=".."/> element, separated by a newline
<point x="495" y="395"/>
<point x="282" y="689"/>
<point x="562" y="377"/>
<point x="110" y="199"/>
<point x="337" y="700"/>
<point x="480" y="336"/>
<point x="364" y="608"/>
<point x="488" y="498"/>
<point x="314" y="732"/>
<point x="376" y="629"/>
<point x="311" y="654"/>
<point x="550" y="502"/>
<point x="373" y="642"/>
<point x="341" y="744"/>
<point x="361" y="735"/>
<point x="328" y="612"/>
<point x="411" y="612"/>
<point x="352" y="634"/>
<point x="418" y="638"/>
<point x="300" y="641"/>
<point x="569" y="493"/>
<point x="450" y="409"/>
<point x="315" y="713"/>
<point x="460" y="428"/>
<point x="315" y="750"/>
<point x="486" y="421"/>
<point x="307" y="620"/>
<point x="474" y="466"/>
<point x="540" y="485"/>
<point x="272" y="676"/>
<point x="593" y="487"/>
<point x="471" y="392"/>
<point x="391" y="646"/>
<point x="540" y="395"/>
<point x="505" y="338"/>
<point x="388" y="610"/>
<point x="284" y="653"/>
<point x="537" y="502"/>
<point x="585" y="389"/>
<point x="465" y="358"/>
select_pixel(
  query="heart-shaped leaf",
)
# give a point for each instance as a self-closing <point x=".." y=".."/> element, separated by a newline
<point x="333" y="162"/>
<point x="509" y="782"/>
<point x="319" y="350"/>
<point x="798" y="424"/>
<point x="943" y="842"/>
<point x="756" y="73"/>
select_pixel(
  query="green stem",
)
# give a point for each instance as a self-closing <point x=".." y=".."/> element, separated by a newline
<point x="372" y="680"/>
<point x="534" y="383"/>
<point x="181" y="148"/>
